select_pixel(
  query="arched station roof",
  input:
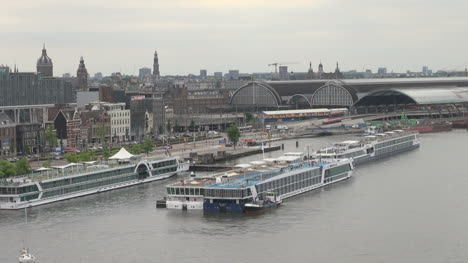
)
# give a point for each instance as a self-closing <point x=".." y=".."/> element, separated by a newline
<point x="284" y="92"/>
<point x="414" y="96"/>
<point x="336" y="92"/>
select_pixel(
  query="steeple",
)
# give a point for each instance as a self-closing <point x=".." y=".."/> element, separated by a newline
<point x="44" y="64"/>
<point x="82" y="76"/>
<point x="338" y="74"/>
<point x="156" y="74"/>
<point x="310" y="72"/>
<point x="320" y="67"/>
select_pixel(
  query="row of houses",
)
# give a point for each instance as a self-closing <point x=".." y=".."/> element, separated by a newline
<point x="96" y="124"/>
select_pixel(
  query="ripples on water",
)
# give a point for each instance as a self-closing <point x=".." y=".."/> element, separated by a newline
<point x="407" y="208"/>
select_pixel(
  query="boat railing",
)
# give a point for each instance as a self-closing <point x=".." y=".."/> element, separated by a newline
<point x="255" y="178"/>
<point x="53" y="173"/>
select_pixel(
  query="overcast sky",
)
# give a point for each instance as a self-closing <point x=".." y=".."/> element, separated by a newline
<point x="218" y="35"/>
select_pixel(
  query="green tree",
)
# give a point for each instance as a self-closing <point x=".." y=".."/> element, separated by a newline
<point x="7" y="169"/>
<point x="23" y="166"/>
<point x="51" y="137"/>
<point x="233" y="134"/>
<point x="147" y="146"/>
<point x="248" y="117"/>
<point x="86" y="156"/>
<point x="71" y="157"/>
<point x="106" y="154"/>
<point x="135" y="149"/>
<point x="102" y="135"/>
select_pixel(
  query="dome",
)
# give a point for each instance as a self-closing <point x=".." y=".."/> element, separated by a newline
<point x="44" y="59"/>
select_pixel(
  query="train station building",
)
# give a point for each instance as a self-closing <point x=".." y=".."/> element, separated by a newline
<point x="355" y="94"/>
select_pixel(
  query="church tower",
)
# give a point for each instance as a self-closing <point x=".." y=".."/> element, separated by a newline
<point x="310" y="73"/>
<point x="44" y="64"/>
<point x="82" y="75"/>
<point x="156" y="74"/>
<point x="320" y="70"/>
<point x="338" y="74"/>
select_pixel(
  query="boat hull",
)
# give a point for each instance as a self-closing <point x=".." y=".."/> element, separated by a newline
<point x="430" y="128"/>
<point x="369" y="158"/>
<point x="260" y="210"/>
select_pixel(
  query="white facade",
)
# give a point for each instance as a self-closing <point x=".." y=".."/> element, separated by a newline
<point x="120" y="120"/>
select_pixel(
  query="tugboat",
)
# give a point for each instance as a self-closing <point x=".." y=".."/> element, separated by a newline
<point x="269" y="201"/>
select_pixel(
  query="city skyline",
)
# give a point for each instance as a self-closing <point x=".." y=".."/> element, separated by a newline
<point x="245" y="35"/>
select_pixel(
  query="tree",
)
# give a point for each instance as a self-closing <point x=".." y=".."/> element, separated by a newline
<point x="168" y="126"/>
<point x="248" y="117"/>
<point x="106" y="154"/>
<point x="135" y="149"/>
<point x="192" y="125"/>
<point x="86" y="156"/>
<point x="176" y="126"/>
<point x="7" y="169"/>
<point x="51" y="137"/>
<point x="23" y="166"/>
<point x="147" y="146"/>
<point x="233" y="134"/>
<point x="102" y="135"/>
<point x="71" y="157"/>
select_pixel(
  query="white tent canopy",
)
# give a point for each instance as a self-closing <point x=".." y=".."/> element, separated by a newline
<point x="122" y="155"/>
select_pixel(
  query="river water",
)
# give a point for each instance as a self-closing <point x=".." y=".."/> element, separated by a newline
<point x="408" y="208"/>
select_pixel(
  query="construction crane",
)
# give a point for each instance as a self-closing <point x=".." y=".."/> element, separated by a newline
<point x="276" y="64"/>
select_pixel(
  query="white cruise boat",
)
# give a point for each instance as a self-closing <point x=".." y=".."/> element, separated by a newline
<point x="75" y="180"/>
<point x="370" y="147"/>
<point x="285" y="176"/>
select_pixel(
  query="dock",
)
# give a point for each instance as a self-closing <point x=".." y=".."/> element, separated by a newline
<point x="224" y="154"/>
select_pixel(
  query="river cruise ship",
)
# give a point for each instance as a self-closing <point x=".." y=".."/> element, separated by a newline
<point x="286" y="176"/>
<point x="75" y="180"/>
<point x="371" y="147"/>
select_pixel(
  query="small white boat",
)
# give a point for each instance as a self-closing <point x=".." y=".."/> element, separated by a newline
<point x="26" y="257"/>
